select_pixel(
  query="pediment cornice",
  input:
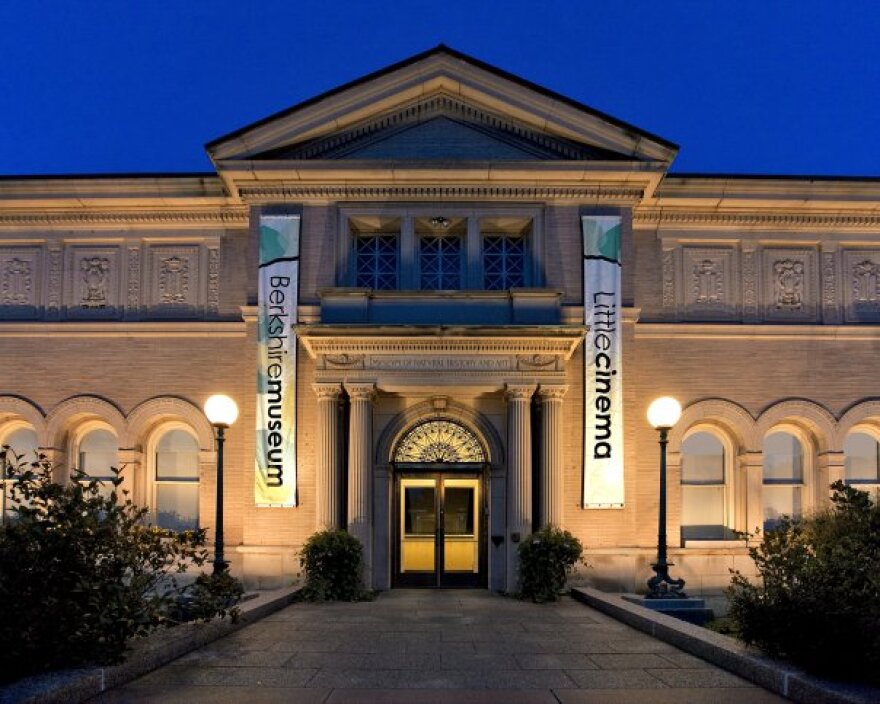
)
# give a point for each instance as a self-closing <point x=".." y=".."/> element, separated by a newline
<point x="435" y="76"/>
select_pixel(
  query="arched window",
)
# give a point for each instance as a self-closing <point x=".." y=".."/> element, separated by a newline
<point x="22" y="442"/>
<point x="176" y="496"/>
<point x="784" y="475"/>
<point x="97" y="452"/>
<point x="862" y="461"/>
<point x="440" y="441"/>
<point x="705" y="510"/>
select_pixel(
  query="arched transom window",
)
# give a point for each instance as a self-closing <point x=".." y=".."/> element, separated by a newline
<point x="440" y="441"/>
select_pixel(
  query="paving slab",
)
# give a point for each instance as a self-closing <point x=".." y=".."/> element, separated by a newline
<point x="464" y="646"/>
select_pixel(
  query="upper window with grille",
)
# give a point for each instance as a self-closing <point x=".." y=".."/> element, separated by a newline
<point x="424" y="248"/>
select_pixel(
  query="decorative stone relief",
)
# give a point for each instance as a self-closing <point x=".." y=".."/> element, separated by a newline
<point x="214" y="281"/>
<point x="19" y="282"/>
<point x="54" y="293"/>
<point x="176" y="289"/>
<point x="173" y="280"/>
<point x="789" y="285"/>
<point x="344" y="361"/>
<point x="708" y="276"/>
<point x="862" y="276"/>
<point x="134" y="282"/>
<point x="830" y="306"/>
<point x="93" y="282"/>
<point x="547" y="362"/>
<point x="669" y="281"/>
<point x="94" y="278"/>
<point x="749" y="286"/>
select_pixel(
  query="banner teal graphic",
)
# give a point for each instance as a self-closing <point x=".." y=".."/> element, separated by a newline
<point x="276" y="374"/>
<point x="603" y="396"/>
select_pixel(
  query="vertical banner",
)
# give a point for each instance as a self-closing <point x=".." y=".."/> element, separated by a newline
<point x="276" y="373"/>
<point x="603" y="397"/>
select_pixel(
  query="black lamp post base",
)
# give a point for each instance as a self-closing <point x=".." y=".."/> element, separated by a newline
<point x="662" y="586"/>
<point x="220" y="566"/>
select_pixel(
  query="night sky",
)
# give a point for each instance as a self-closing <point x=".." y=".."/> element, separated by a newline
<point x="743" y="86"/>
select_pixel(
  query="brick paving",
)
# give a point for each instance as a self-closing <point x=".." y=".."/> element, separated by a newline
<point x="439" y="646"/>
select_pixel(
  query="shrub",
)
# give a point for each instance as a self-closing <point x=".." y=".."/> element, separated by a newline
<point x="81" y="572"/>
<point x="546" y="557"/>
<point x="333" y="562"/>
<point x="818" y="599"/>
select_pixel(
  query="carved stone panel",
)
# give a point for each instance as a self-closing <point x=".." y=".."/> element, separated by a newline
<point x="709" y="283"/>
<point x="20" y="270"/>
<point x="93" y="283"/>
<point x="861" y="284"/>
<point x="750" y="285"/>
<point x="176" y="288"/>
<point x="790" y="285"/>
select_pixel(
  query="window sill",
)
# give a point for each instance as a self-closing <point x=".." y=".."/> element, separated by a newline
<point x="708" y="544"/>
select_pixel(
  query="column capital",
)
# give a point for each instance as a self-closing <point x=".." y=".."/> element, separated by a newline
<point x="361" y="390"/>
<point x="517" y="392"/>
<point x="552" y="392"/>
<point x="326" y="390"/>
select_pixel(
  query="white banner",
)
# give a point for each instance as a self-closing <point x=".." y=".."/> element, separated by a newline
<point x="603" y="377"/>
<point x="276" y="374"/>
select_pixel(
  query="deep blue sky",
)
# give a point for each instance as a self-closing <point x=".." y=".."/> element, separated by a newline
<point x="744" y="86"/>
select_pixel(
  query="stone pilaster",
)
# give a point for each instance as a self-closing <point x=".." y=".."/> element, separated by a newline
<point x="519" y="474"/>
<point x="752" y="467"/>
<point x="552" y="458"/>
<point x="831" y="468"/>
<point x="327" y="484"/>
<point x="360" y="456"/>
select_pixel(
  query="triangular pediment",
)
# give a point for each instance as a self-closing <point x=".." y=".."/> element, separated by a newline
<point x="441" y="105"/>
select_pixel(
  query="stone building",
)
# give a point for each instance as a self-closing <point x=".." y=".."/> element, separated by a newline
<point x="437" y="398"/>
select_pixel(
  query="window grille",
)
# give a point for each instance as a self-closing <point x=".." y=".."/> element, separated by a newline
<point x="440" y="262"/>
<point x="504" y="262"/>
<point x="376" y="261"/>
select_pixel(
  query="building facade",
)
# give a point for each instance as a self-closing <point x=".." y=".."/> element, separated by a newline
<point x="442" y="367"/>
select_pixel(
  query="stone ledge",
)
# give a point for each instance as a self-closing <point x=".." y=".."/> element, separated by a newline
<point x="728" y="653"/>
<point x="146" y="654"/>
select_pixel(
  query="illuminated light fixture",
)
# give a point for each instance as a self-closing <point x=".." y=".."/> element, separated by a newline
<point x="222" y="412"/>
<point x="663" y="413"/>
<point x="440" y="221"/>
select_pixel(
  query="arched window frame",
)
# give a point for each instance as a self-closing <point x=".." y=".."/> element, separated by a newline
<point x="79" y="434"/>
<point x="874" y="432"/>
<point x="730" y="453"/>
<point x="152" y="446"/>
<point x="6" y="431"/>
<point x="808" y="480"/>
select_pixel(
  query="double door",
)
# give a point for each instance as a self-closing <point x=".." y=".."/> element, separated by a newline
<point x="441" y="529"/>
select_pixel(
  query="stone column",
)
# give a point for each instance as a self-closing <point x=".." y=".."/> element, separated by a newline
<point x="327" y="484"/>
<point x="752" y="464"/>
<point x="519" y="474"/>
<point x="552" y="455"/>
<point x="360" y="456"/>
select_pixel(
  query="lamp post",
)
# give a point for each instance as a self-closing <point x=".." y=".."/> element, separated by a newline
<point x="221" y="412"/>
<point x="663" y="413"/>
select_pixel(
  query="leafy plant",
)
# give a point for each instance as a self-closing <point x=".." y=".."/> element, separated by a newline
<point x="333" y="563"/>
<point x="818" y="600"/>
<point x="546" y="557"/>
<point x="81" y="572"/>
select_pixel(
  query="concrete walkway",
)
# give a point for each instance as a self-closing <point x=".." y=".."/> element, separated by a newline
<point x="439" y="646"/>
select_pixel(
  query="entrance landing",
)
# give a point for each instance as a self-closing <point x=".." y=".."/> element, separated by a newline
<point x="440" y="646"/>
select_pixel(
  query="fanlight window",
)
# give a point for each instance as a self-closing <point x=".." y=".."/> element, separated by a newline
<point x="440" y="441"/>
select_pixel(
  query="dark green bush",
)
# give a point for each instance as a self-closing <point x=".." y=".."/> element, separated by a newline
<point x="817" y="603"/>
<point x="333" y="563"/>
<point x="81" y="573"/>
<point x="546" y="557"/>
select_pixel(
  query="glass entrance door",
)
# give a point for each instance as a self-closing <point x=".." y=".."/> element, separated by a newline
<point x="440" y="532"/>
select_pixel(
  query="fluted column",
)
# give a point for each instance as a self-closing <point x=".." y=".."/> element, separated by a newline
<point x="360" y="455"/>
<point x="552" y="456"/>
<point x="327" y="484"/>
<point x="519" y="474"/>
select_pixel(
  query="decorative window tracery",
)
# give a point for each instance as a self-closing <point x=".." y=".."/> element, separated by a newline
<point x="440" y="441"/>
<point x="440" y="262"/>
<point x="504" y="262"/>
<point x="377" y="261"/>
